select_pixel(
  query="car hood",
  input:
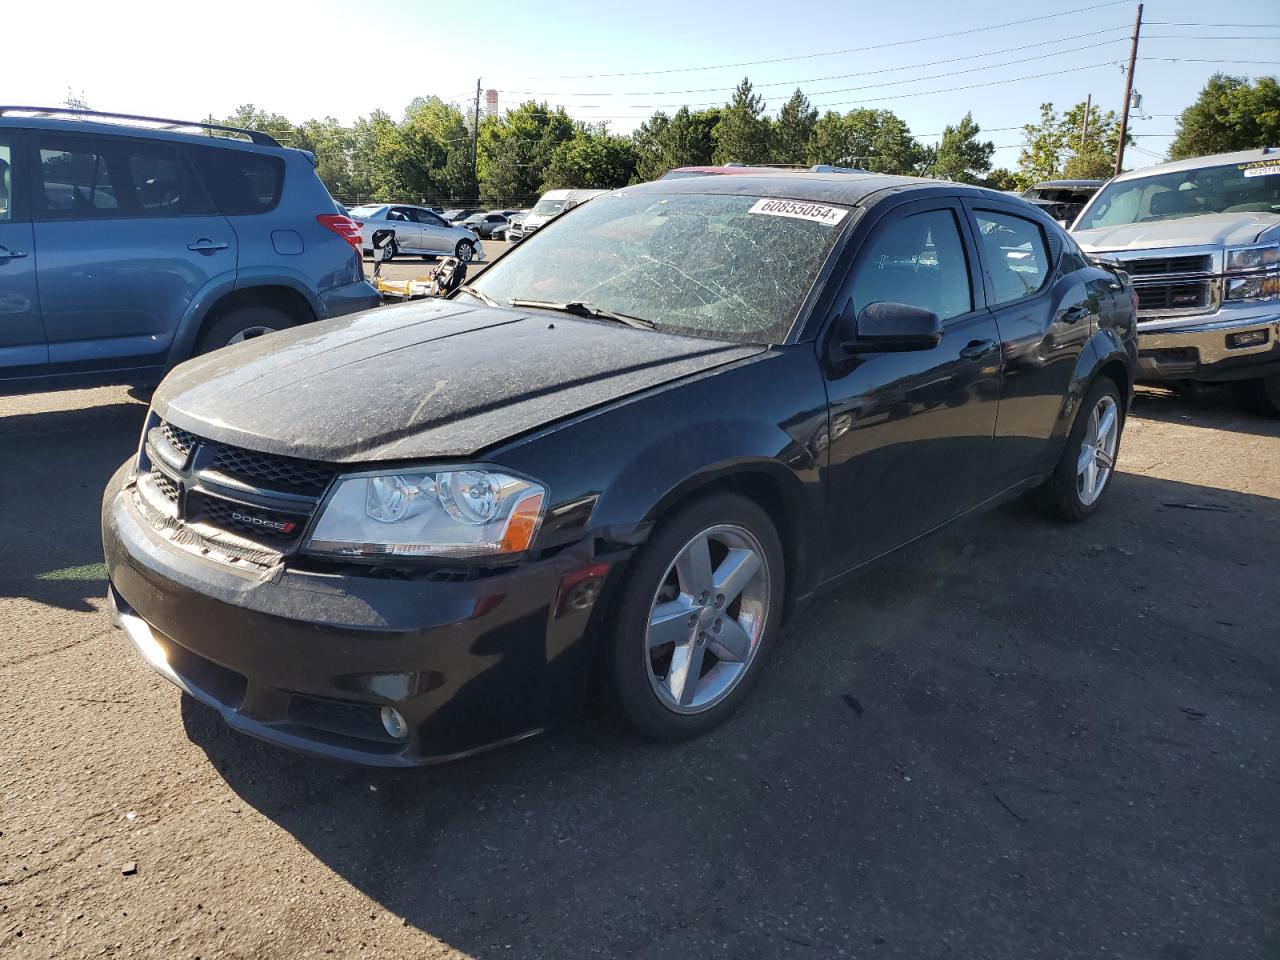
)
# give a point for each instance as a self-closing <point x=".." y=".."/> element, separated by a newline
<point x="1210" y="229"/>
<point x="432" y="379"/>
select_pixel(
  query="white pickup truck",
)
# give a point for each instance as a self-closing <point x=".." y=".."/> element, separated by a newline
<point x="1201" y="240"/>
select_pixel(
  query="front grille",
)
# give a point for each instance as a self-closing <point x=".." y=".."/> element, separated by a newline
<point x="176" y="437"/>
<point x="1155" y="266"/>
<point x="166" y="486"/>
<point x="281" y="473"/>
<point x="271" y="525"/>
<point x="1173" y="296"/>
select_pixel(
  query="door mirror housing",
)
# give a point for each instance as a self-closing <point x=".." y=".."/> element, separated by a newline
<point x="886" y="328"/>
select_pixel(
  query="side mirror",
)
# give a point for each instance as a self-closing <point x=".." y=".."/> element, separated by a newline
<point x="886" y="328"/>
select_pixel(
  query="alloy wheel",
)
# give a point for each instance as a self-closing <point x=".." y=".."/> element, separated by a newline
<point x="1098" y="450"/>
<point x="707" y="619"/>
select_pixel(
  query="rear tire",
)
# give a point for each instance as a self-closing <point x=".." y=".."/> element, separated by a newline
<point x="1266" y="395"/>
<point x="1074" y="492"/>
<point x="245" y="323"/>
<point x="721" y="631"/>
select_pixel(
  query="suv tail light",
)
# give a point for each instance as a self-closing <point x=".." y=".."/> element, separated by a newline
<point x="344" y="227"/>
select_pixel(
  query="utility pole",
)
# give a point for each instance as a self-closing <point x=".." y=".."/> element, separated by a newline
<point x="475" y="135"/>
<point x="1084" y="134"/>
<point x="1128" y="91"/>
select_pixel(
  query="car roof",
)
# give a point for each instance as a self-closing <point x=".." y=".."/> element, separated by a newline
<point x="1067" y="184"/>
<point x="844" y="188"/>
<point x="125" y="129"/>
<point x="1199" y="163"/>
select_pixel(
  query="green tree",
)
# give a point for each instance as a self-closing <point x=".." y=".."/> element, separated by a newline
<point x="875" y="140"/>
<point x="515" y="149"/>
<point x="685" y="139"/>
<point x="592" y="160"/>
<point x="1056" y="146"/>
<point x="1231" y="113"/>
<point x="961" y="156"/>
<point x="1001" y="178"/>
<point x="649" y="140"/>
<point x="793" y="129"/>
<point x="333" y="146"/>
<point x="249" y="117"/>
<point x="742" y="135"/>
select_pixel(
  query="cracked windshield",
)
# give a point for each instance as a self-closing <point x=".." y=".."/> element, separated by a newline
<point x="733" y="268"/>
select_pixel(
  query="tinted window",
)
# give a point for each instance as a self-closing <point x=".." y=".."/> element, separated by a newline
<point x="156" y="179"/>
<point x="76" y="180"/>
<point x="1015" y="253"/>
<point x="918" y="260"/>
<point x="241" y="182"/>
<point x="399" y="214"/>
<point x="6" y="179"/>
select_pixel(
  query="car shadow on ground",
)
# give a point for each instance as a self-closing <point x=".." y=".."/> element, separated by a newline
<point x="55" y="465"/>
<point x="1020" y="738"/>
<point x="1223" y="406"/>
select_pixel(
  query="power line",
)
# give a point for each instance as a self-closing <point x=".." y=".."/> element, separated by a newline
<point x="1265" y="63"/>
<point x="838" y="76"/>
<point x="1174" y="23"/>
<point x="829" y="53"/>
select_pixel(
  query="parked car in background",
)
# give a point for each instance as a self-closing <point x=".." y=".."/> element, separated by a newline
<point x="459" y="214"/>
<point x="1063" y="199"/>
<point x="641" y="450"/>
<point x="549" y="206"/>
<point x="129" y="244"/>
<point x="417" y="231"/>
<point x="1201" y="239"/>
<point x="492" y="225"/>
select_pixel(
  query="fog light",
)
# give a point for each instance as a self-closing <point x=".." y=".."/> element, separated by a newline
<point x="393" y="723"/>
<point x="1250" y="338"/>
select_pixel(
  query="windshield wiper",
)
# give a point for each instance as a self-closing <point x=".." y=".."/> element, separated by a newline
<point x="482" y="297"/>
<point x="581" y="309"/>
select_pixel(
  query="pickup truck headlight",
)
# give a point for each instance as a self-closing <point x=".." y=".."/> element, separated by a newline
<point x="1264" y="256"/>
<point x="447" y="513"/>
<point x="1253" y="273"/>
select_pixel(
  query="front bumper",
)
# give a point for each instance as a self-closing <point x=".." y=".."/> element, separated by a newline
<point x="308" y="659"/>
<point x="1202" y="348"/>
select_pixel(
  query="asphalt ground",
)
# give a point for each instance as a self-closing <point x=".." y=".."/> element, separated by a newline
<point x="1018" y="739"/>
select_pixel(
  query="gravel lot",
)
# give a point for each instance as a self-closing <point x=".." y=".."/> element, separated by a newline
<point x="1018" y="739"/>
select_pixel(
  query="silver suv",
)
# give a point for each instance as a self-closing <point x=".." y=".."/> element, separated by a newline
<point x="1201" y="240"/>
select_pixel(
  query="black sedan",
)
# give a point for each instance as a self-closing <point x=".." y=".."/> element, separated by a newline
<point x="614" y="465"/>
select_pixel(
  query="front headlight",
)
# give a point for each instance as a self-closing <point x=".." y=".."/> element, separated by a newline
<point x="1262" y="286"/>
<point x="447" y="513"/>
<point x="1248" y="259"/>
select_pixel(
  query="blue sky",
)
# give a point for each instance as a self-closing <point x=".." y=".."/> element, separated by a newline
<point x="344" y="59"/>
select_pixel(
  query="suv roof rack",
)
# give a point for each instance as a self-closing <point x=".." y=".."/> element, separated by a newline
<point x="256" y="136"/>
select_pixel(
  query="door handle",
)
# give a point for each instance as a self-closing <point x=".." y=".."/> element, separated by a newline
<point x="1073" y="314"/>
<point x="7" y="254"/>
<point x="975" y="349"/>
<point x="205" y="245"/>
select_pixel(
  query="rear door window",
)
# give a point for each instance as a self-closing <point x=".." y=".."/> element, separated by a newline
<point x="76" y="181"/>
<point x="241" y="183"/>
<point x="6" y="178"/>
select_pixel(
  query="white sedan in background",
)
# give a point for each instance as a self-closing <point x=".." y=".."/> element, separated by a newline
<point x="417" y="231"/>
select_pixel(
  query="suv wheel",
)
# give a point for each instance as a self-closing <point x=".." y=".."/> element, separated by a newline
<point x="245" y="323"/>
<point x="465" y="250"/>
<point x="695" y="617"/>
<point x="1266" y="393"/>
<point x="1084" y="471"/>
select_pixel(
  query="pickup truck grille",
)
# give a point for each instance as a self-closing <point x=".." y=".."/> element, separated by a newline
<point x="1148" y="266"/>
<point x="237" y="501"/>
<point x="1157" y="297"/>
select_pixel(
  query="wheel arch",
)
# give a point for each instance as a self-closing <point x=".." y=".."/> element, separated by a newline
<point x="280" y="296"/>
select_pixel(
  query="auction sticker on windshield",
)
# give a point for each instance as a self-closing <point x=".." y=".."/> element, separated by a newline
<point x="796" y="210"/>
<point x="1260" y="169"/>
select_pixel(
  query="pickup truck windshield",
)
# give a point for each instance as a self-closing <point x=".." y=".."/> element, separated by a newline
<point x="1235" y="188"/>
<point x="729" y="267"/>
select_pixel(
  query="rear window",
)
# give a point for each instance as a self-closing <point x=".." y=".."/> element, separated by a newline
<point x="242" y="183"/>
<point x="367" y="211"/>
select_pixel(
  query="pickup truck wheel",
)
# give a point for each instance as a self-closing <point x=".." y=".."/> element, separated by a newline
<point x="1266" y="394"/>
<point x="694" y="619"/>
<point x="243" y="324"/>
<point x="1084" y="471"/>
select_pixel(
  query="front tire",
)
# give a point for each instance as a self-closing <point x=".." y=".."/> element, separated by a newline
<point x="465" y="250"/>
<point x="695" y="618"/>
<point x="1266" y="395"/>
<point x="246" y="323"/>
<point x="1085" y="469"/>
